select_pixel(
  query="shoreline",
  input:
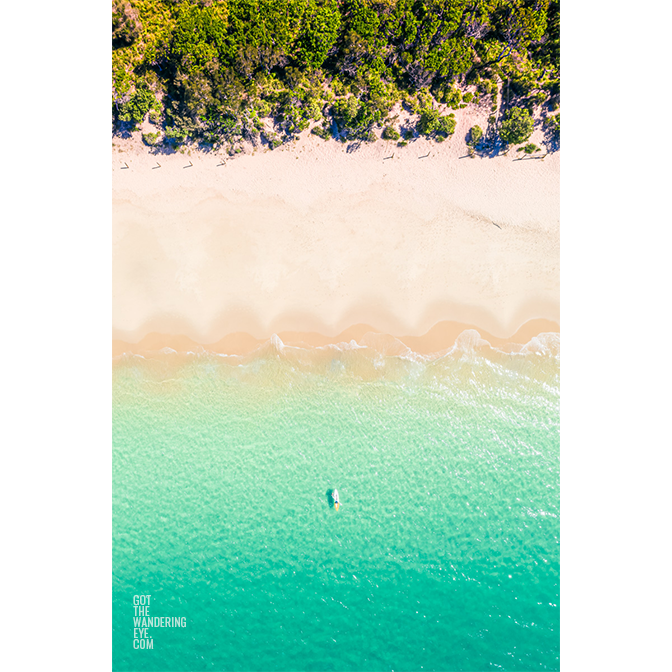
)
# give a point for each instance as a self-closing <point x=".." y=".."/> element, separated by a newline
<point x="441" y="337"/>
<point x="316" y="240"/>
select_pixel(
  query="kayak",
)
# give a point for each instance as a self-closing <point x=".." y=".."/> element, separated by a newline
<point x="337" y="502"/>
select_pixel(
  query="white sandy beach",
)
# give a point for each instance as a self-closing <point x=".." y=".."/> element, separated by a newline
<point x="311" y="238"/>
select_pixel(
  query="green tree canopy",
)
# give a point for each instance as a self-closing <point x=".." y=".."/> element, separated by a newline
<point x="210" y="70"/>
<point x="517" y="126"/>
<point x="475" y="135"/>
<point x="319" y="31"/>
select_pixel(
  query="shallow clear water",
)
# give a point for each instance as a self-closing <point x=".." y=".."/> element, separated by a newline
<point x="444" y="554"/>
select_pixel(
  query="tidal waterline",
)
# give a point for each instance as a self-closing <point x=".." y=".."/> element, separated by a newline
<point x="444" y="554"/>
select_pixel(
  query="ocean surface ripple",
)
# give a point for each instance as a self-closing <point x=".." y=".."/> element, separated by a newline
<point x="444" y="554"/>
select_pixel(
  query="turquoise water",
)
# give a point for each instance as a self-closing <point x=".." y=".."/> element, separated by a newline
<point x="444" y="554"/>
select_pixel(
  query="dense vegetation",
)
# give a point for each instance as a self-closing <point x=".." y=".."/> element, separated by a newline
<point x="220" y="72"/>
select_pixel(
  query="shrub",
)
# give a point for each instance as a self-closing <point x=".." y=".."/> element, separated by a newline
<point x="468" y="97"/>
<point x="447" y="124"/>
<point x="449" y="95"/>
<point x="140" y="103"/>
<point x="272" y="139"/>
<point x="553" y="123"/>
<point x="338" y="87"/>
<point x="432" y="122"/>
<point x="530" y="148"/>
<point x="539" y="97"/>
<point x="390" y="133"/>
<point x="488" y="87"/>
<point x="517" y="126"/>
<point x="475" y="135"/>
<point x="472" y="77"/>
<point x="429" y="121"/>
<point x="356" y="117"/>
<point x="402" y="143"/>
<point x="176" y="135"/>
<point x="321" y="132"/>
<point x="411" y="103"/>
<point x="151" y="139"/>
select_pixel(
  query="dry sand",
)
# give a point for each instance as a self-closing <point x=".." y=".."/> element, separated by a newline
<point x="316" y="243"/>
